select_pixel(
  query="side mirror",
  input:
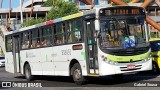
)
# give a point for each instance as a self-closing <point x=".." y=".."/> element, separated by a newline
<point x="97" y="26"/>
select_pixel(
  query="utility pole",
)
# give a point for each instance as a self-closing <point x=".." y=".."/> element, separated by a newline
<point x="1" y="1"/>
<point x="10" y="9"/>
<point x="21" y="11"/>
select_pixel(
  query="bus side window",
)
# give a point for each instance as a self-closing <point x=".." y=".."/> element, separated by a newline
<point x="34" y="35"/>
<point x="9" y="43"/>
<point x="25" y="40"/>
<point x="75" y="31"/>
<point x="46" y="36"/>
<point x="69" y="37"/>
<point x="54" y="37"/>
<point x="59" y="35"/>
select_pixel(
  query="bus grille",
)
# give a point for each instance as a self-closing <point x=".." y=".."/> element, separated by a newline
<point x="126" y="69"/>
<point x="128" y="61"/>
<point x="128" y="52"/>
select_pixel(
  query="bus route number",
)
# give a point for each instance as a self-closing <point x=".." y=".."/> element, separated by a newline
<point x="66" y="52"/>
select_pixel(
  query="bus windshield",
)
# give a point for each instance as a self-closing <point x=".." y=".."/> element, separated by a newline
<point x="122" y="33"/>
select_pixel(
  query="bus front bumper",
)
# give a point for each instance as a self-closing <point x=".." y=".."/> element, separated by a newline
<point x="2" y="63"/>
<point x="121" y="68"/>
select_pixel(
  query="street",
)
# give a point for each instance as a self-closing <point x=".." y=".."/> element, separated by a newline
<point x="130" y="81"/>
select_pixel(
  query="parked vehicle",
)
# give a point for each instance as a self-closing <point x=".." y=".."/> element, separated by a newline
<point x="155" y="48"/>
<point x="2" y="61"/>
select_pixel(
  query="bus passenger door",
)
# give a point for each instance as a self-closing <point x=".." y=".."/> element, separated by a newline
<point x="91" y="47"/>
<point x="16" y="53"/>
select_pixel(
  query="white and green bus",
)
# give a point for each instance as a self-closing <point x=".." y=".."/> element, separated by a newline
<point x="98" y="42"/>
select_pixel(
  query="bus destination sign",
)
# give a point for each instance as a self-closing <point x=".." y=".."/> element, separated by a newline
<point x="114" y="11"/>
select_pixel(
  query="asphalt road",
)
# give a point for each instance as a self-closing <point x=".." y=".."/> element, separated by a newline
<point x="139" y="81"/>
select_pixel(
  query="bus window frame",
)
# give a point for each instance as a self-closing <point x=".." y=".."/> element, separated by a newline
<point x="58" y="33"/>
<point x="21" y="39"/>
<point x="50" y="35"/>
<point x="81" y="30"/>
<point x="6" y="42"/>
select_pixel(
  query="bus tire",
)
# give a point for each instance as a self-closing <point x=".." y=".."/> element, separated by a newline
<point x="28" y="74"/>
<point x="77" y="74"/>
<point x="155" y="68"/>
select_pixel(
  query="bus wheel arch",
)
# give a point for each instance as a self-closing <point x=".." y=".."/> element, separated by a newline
<point x="24" y="66"/>
<point x="76" y="72"/>
<point x="73" y="61"/>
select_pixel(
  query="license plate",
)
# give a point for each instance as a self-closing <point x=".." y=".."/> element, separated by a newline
<point x="131" y="66"/>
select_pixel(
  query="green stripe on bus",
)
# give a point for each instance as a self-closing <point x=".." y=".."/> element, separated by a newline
<point x="46" y="58"/>
<point x="84" y="55"/>
<point x="128" y="58"/>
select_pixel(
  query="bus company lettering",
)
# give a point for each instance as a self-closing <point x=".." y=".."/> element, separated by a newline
<point x="14" y="84"/>
<point x="30" y="55"/>
<point x="66" y="52"/>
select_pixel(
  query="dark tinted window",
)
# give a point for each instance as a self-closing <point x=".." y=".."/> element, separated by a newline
<point x="1" y="58"/>
<point x="155" y="45"/>
<point x="9" y="43"/>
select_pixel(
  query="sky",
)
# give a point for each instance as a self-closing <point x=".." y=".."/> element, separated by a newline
<point x="15" y="3"/>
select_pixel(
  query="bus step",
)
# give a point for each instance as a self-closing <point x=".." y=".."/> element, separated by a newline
<point x="94" y="71"/>
<point x="92" y="74"/>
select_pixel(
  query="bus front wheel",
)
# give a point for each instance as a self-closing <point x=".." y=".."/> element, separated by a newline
<point x="28" y="73"/>
<point x="77" y="74"/>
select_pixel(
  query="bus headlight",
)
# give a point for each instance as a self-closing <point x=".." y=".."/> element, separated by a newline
<point x="145" y="60"/>
<point x="109" y="61"/>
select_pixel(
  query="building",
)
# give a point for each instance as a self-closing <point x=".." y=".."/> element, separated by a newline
<point x="154" y="12"/>
<point x="15" y="13"/>
<point x="39" y="11"/>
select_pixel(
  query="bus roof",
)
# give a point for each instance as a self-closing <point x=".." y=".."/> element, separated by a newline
<point x="82" y="13"/>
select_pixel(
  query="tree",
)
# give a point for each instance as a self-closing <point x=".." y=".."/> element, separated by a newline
<point x="48" y="3"/>
<point x="127" y="1"/>
<point x="61" y="9"/>
<point x="32" y="22"/>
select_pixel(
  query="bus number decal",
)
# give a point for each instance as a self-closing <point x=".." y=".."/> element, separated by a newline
<point x="66" y="52"/>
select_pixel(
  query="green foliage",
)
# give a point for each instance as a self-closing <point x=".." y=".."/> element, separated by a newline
<point x="127" y="1"/>
<point x="154" y="35"/>
<point x="62" y="8"/>
<point x="32" y="22"/>
<point x="48" y="3"/>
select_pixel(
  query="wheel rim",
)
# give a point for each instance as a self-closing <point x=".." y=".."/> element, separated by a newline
<point x="77" y="74"/>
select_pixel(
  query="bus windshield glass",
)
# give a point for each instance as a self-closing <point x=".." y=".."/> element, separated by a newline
<point x="122" y="33"/>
